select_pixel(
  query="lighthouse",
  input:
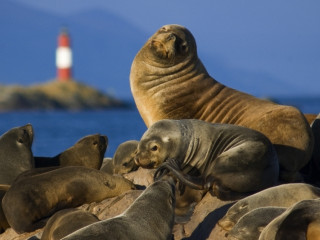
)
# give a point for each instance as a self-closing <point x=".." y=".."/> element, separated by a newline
<point x="64" y="57"/>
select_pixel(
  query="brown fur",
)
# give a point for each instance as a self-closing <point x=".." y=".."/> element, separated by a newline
<point x="88" y="152"/>
<point x="34" y="197"/>
<point x="313" y="230"/>
<point x="67" y="221"/>
<point x="168" y="81"/>
<point x="15" y="153"/>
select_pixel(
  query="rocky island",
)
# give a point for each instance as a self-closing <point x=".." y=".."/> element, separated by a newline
<point x="55" y="95"/>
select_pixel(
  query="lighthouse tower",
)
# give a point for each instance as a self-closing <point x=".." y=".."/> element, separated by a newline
<point x="64" y="57"/>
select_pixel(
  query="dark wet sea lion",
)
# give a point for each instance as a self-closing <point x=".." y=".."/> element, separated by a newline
<point x="88" y="152"/>
<point x="66" y="221"/>
<point x="15" y="153"/>
<point x="151" y="216"/>
<point x="168" y="81"/>
<point x="32" y="198"/>
<point x="3" y="220"/>
<point x="294" y="222"/>
<point x="284" y="195"/>
<point x="227" y="159"/>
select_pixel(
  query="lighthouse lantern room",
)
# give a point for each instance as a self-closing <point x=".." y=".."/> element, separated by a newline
<point x="64" y="57"/>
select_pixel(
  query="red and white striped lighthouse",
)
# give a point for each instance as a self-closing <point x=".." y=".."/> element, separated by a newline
<point x="64" y="57"/>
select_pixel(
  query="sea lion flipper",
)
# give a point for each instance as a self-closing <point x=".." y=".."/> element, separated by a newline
<point x="173" y="167"/>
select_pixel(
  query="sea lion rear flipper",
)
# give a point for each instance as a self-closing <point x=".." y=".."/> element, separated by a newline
<point x="173" y="167"/>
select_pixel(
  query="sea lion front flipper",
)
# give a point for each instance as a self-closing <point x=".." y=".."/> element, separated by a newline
<point x="174" y="168"/>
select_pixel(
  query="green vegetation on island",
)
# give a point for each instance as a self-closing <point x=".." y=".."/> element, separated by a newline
<point x="55" y="95"/>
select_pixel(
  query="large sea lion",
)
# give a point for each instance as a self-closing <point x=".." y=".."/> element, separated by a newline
<point x="284" y="195"/>
<point x="34" y="197"/>
<point x="250" y="226"/>
<point x="88" y="152"/>
<point x="15" y="153"/>
<point x="225" y="158"/>
<point x="66" y="221"/>
<point x="168" y="81"/>
<point x="151" y="216"/>
<point x="294" y="223"/>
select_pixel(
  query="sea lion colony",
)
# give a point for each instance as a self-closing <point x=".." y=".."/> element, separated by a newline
<point x="190" y="159"/>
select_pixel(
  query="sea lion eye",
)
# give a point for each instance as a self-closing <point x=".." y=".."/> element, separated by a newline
<point x="20" y="140"/>
<point x="154" y="148"/>
<point x="95" y="143"/>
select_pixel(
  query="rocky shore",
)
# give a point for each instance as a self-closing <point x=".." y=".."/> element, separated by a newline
<point x="55" y="95"/>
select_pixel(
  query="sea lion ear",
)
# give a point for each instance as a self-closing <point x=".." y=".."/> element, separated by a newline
<point x="110" y="184"/>
<point x="184" y="47"/>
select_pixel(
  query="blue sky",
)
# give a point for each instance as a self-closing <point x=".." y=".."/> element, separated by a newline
<point x="280" y="39"/>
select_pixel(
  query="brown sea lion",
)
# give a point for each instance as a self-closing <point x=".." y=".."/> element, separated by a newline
<point x="67" y="221"/>
<point x="168" y="81"/>
<point x="250" y="225"/>
<point x="3" y="220"/>
<point x="123" y="159"/>
<point x="284" y="195"/>
<point x="88" y="152"/>
<point x="32" y="198"/>
<point x="15" y="153"/>
<point x="151" y="216"/>
<point x="294" y="222"/>
<point x="228" y="159"/>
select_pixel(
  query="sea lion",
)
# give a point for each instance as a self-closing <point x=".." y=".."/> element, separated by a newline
<point x="312" y="169"/>
<point x="228" y="159"/>
<point x="3" y="220"/>
<point x="284" y="195"/>
<point x="66" y="221"/>
<point x="168" y="81"/>
<point x="294" y="222"/>
<point x="250" y="226"/>
<point x="88" y="152"/>
<point x="123" y="159"/>
<point x="151" y="216"/>
<point x="15" y="153"/>
<point x="35" y="197"/>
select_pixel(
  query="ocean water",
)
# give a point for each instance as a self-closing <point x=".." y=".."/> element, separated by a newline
<point x="56" y="131"/>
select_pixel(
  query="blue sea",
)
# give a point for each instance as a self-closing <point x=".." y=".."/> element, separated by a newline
<point x="56" y="131"/>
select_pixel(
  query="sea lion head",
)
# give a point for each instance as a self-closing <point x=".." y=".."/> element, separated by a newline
<point x="171" y="44"/>
<point x="160" y="142"/>
<point x="88" y="151"/>
<point x="123" y="158"/>
<point x="16" y="145"/>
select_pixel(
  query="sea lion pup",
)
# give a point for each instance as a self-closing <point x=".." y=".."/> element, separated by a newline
<point x="250" y="226"/>
<point x="284" y="195"/>
<point x="123" y="159"/>
<point x="15" y="153"/>
<point x="35" y="197"/>
<point x="168" y="81"/>
<point x="66" y="221"/>
<point x="294" y="222"/>
<point x="151" y="216"/>
<point x="228" y="159"/>
<point x="88" y="152"/>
